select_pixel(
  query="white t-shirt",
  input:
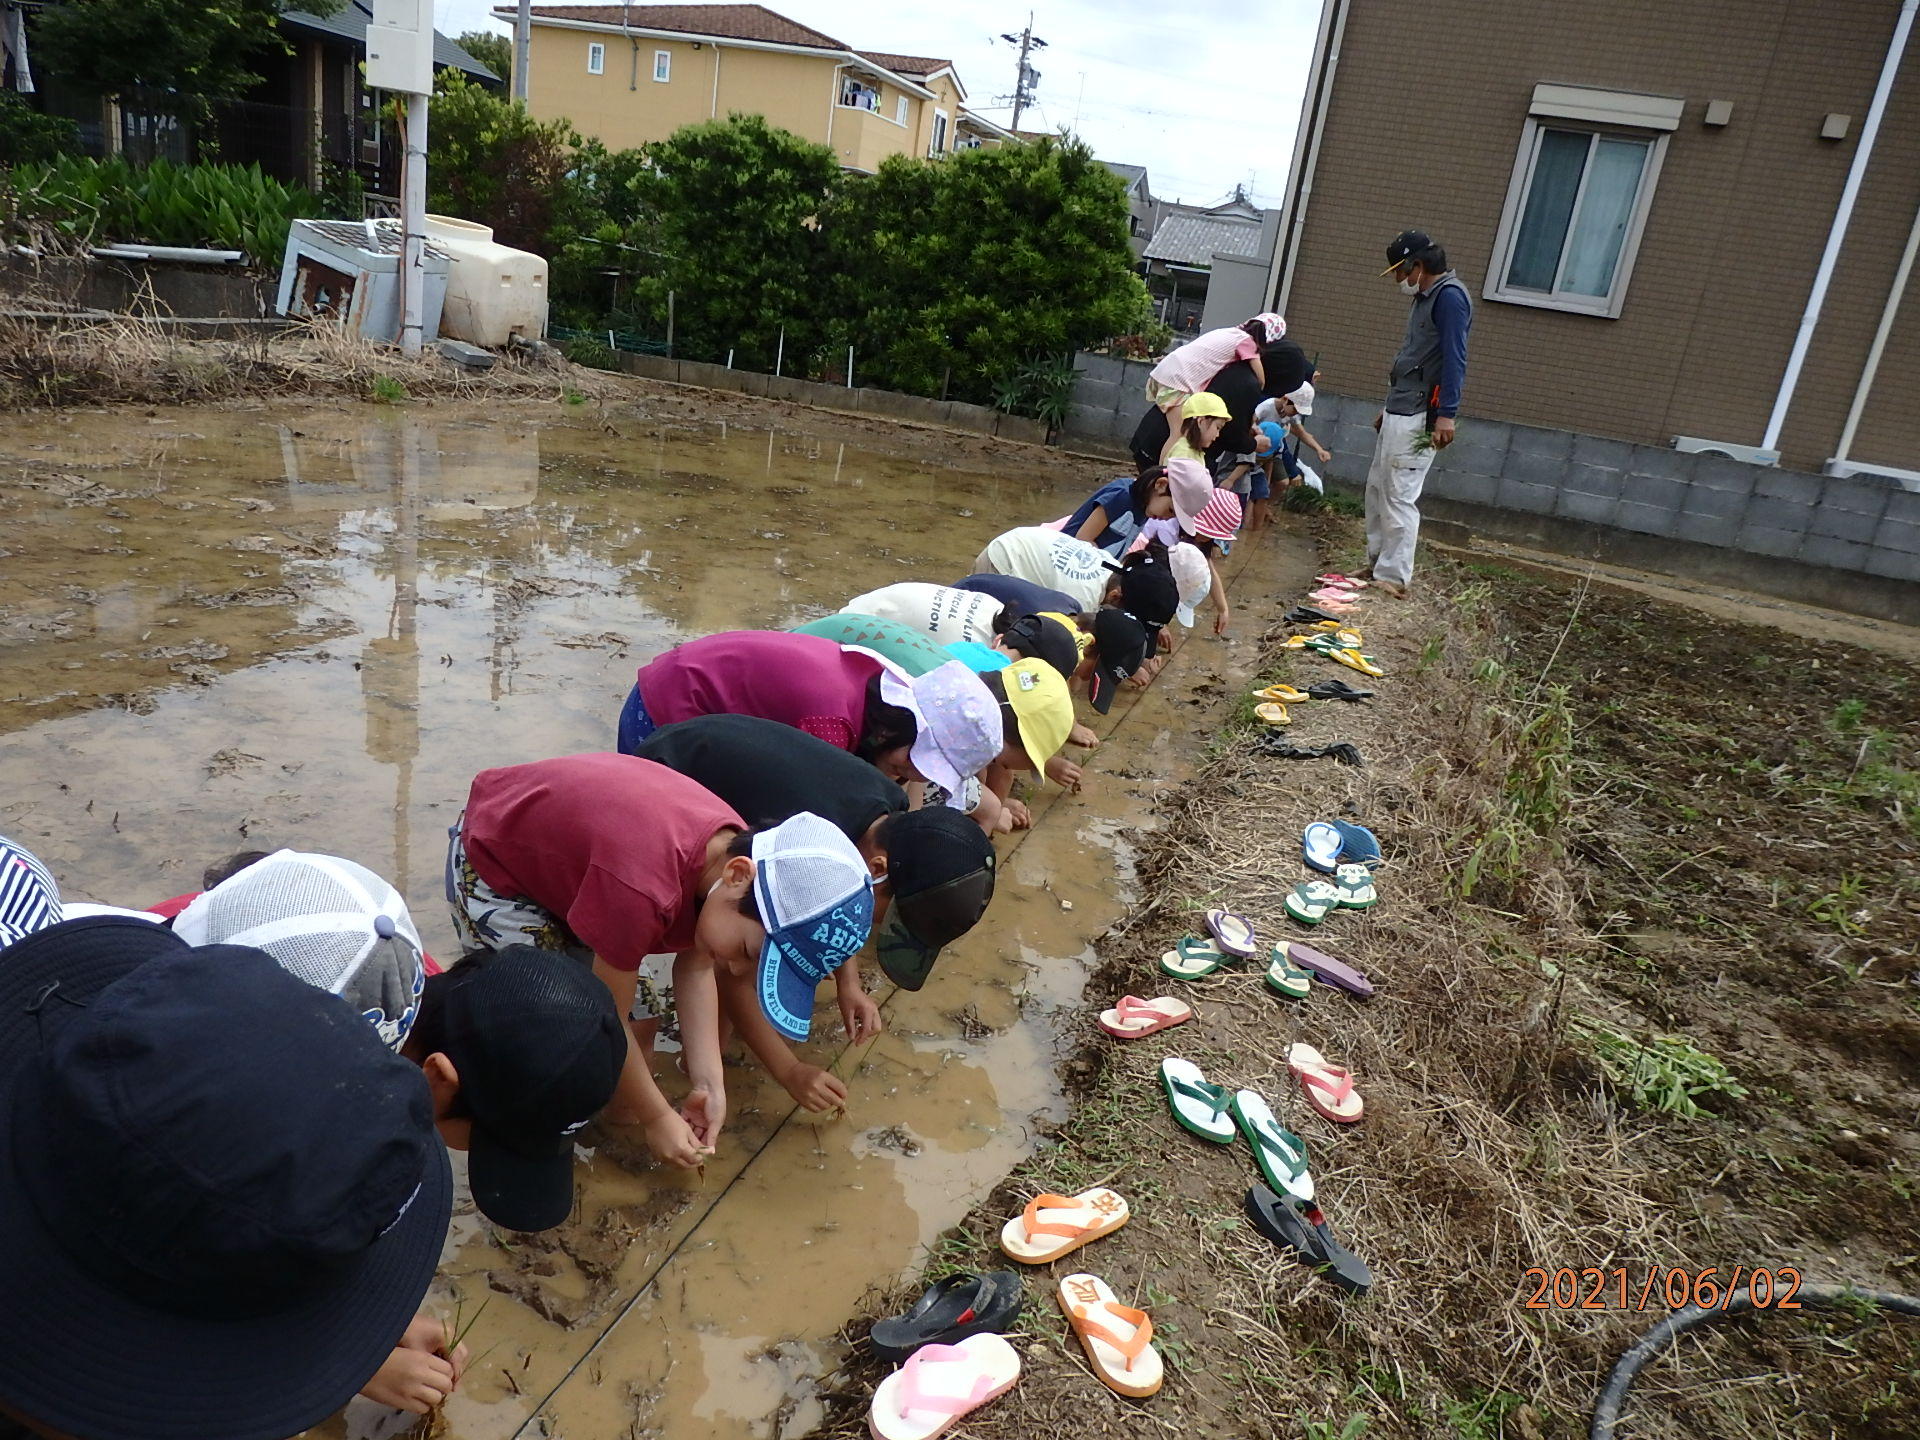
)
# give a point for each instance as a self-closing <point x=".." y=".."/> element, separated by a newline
<point x="1055" y="559"/>
<point x="947" y="614"/>
<point x="1268" y="412"/>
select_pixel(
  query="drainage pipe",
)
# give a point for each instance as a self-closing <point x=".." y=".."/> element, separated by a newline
<point x="1306" y="150"/>
<point x="1842" y="217"/>
<point x="1887" y="316"/>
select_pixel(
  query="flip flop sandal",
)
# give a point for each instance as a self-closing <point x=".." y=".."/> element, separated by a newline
<point x="958" y="1307"/>
<point x="1336" y="690"/>
<point x="1197" y="1106"/>
<point x="1286" y="978"/>
<point x="1355" y="884"/>
<point x="1333" y="595"/>
<point x="1280" y="1154"/>
<point x="1118" y="1339"/>
<point x="1285" y="1223"/>
<point x="1327" y="970"/>
<point x="939" y="1384"/>
<point x="1056" y="1225"/>
<point x="1312" y="901"/>
<point x="1271" y="712"/>
<point x="1346" y="582"/>
<point x="1329" y="1088"/>
<point x="1320" y="843"/>
<point x="1133" y="1017"/>
<point x="1354" y="660"/>
<point x="1283" y="694"/>
<point x="1232" y="933"/>
<point x="1358" y="845"/>
<point x="1306" y="614"/>
<point x="1191" y="959"/>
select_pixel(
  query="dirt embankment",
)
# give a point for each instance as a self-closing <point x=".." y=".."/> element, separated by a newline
<point x="1606" y="821"/>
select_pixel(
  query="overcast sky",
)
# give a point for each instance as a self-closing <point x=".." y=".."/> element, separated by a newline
<point x="1204" y="105"/>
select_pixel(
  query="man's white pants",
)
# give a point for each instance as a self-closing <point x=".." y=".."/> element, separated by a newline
<point x="1394" y="482"/>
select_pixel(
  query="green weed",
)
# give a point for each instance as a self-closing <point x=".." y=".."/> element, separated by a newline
<point x="1840" y="907"/>
<point x="385" y="390"/>
<point x="1848" y="715"/>
<point x="570" y="396"/>
<point x="1661" y="1072"/>
<point x="1354" y="1427"/>
<point x="1482" y="1418"/>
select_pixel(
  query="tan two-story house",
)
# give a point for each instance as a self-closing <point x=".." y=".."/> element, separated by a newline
<point x="628" y="74"/>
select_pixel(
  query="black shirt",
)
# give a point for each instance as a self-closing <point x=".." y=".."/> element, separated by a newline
<point x="769" y="772"/>
<point x="1023" y="597"/>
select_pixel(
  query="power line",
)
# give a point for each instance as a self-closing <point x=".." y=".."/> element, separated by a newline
<point x="1026" y="79"/>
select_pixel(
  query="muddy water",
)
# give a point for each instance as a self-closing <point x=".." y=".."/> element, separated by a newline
<point x="225" y="630"/>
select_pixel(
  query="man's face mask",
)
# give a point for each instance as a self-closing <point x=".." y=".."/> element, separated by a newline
<point x="1408" y="285"/>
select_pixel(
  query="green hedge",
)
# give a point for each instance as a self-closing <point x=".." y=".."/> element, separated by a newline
<point x="223" y="207"/>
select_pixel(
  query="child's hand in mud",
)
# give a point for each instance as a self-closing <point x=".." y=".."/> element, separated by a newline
<point x="861" y="1016"/>
<point x="673" y="1142"/>
<point x="1018" y="816"/>
<point x="416" y="1377"/>
<point x="704" y="1112"/>
<point x="1083" y="736"/>
<point x="1221" y="618"/>
<point x="1064" y="773"/>
<point x="815" y="1089"/>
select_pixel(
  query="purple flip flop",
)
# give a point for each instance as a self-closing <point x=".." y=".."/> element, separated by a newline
<point x="1232" y="933"/>
<point x="1327" y="970"/>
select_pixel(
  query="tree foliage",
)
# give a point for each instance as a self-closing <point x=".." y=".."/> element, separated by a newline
<point x="183" y="58"/>
<point x="27" y="136"/>
<point x="491" y="50"/>
<point x="969" y="270"/>
<point x="491" y="162"/>
<point x="733" y="206"/>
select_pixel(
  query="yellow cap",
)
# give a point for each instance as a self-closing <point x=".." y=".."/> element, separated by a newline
<point x="1038" y="694"/>
<point x="1204" y="404"/>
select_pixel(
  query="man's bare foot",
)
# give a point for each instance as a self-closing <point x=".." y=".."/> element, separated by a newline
<point x="1391" y="587"/>
<point x="1365" y="572"/>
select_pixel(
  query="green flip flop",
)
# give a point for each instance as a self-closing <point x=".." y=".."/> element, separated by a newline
<point x="1280" y="1154"/>
<point x="1355" y="884"/>
<point x="1197" y="1106"/>
<point x="1286" y="978"/>
<point x="1312" y="901"/>
<point x="1192" y="958"/>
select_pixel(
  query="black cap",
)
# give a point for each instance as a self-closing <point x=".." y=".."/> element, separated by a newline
<point x="1147" y="586"/>
<point x="223" y="1193"/>
<point x="1120" y="643"/>
<point x="940" y="867"/>
<point x="1042" y="638"/>
<point x="539" y="1046"/>
<point x="1407" y="245"/>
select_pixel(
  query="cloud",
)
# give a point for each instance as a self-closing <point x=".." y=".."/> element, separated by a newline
<point x="1204" y="105"/>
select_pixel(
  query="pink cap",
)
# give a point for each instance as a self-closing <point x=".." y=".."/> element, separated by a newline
<point x="1191" y="487"/>
<point x="1276" y="326"/>
<point x="958" y="723"/>
<point x="1219" y="518"/>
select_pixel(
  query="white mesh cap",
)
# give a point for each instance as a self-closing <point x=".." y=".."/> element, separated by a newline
<point x="1192" y="577"/>
<point x="816" y="901"/>
<point x="334" y="924"/>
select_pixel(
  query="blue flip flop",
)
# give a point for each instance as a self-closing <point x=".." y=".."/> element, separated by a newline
<point x="1321" y="843"/>
<point x="1357" y="845"/>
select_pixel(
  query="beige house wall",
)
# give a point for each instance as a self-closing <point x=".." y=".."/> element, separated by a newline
<point x="1426" y="135"/>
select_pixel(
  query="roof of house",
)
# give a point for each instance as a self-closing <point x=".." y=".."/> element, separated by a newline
<point x="1130" y="175"/>
<point x="350" y="22"/>
<point x="723" y="22"/>
<point x="1196" y="239"/>
<point x="918" y="66"/>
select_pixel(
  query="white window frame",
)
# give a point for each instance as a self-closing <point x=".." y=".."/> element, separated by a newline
<point x="596" y="58"/>
<point x="1607" y="306"/>
<point x="900" y="103"/>
<point x="662" y="66"/>
<point x="942" y="128"/>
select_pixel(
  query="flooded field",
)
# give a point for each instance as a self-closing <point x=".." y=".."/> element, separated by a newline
<point x="245" y="629"/>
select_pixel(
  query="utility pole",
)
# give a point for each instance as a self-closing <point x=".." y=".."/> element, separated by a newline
<point x="522" y="40"/>
<point x="1027" y="80"/>
<point x="400" y="61"/>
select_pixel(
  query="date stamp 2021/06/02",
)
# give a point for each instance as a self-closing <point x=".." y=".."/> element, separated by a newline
<point x="1661" y="1287"/>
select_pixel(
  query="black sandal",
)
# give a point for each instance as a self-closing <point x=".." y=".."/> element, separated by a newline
<point x="1283" y="1222"/>
<point x="1309" y="615"/>
<point x="1336" y="690"/>
<point x="959" y="1306"/>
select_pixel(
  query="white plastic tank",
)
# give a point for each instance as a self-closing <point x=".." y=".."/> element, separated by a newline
<point x="494" y="292"/>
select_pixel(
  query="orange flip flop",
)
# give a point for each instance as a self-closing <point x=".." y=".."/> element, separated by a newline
<point x="1118" y="1339"/>
<point x="1056" y="1225"/>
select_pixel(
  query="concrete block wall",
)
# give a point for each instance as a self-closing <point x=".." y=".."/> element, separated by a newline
<point x="1109" y="397"/>
<point x="1861" y="525"/>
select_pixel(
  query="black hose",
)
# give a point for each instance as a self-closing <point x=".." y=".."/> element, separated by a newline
<point x="1613" y="1395"/>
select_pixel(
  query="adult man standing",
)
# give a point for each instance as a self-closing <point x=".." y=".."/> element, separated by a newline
<point x="1423" y="397"/>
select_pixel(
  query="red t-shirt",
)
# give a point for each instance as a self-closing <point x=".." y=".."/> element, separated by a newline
<point x="805" y="681"/>
<point x="611" y="845"/>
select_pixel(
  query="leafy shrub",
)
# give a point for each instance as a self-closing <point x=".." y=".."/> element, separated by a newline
<point x="224" y="207"/>
<point x="27" y="136"/>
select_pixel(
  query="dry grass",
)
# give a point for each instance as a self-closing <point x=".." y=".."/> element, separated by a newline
<point x="1491" y="1142"/>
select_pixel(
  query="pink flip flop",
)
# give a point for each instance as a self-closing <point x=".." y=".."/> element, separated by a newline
<point x="1344" y="581"/>
<point x="1134" y="1017"/>
<point x="939" y="1384"/>
<point x="1328" y="1088"/>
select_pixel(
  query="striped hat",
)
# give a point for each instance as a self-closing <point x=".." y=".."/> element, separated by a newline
<point x="29" y="900"/>
<point x="1219" y="518"/>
